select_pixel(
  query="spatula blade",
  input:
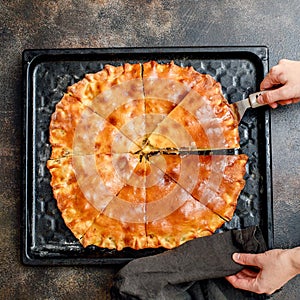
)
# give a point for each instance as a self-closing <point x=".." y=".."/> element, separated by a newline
<point x="240" y="107"/>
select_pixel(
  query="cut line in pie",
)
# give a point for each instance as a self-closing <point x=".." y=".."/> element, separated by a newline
<point x="114" y="180"/>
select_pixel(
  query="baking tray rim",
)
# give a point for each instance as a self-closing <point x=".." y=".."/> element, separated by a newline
<point x="32" y="56"/>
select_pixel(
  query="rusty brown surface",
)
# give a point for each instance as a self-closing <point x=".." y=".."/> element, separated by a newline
<point x="102" y="23"/>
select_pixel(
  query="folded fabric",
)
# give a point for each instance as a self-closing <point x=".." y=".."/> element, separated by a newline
<point x="186" y="271"/>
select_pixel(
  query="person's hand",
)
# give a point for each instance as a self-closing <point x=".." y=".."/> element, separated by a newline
<point x="284" y="79"/>
<point x="274" y="269"/>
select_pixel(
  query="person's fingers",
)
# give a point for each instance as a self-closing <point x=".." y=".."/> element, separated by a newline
<point x="285" y="102"/>
<point x="247" y="259"/>
<point x="269" y="82"/>
<point x="274" y="95"/>
<point x="241" y="282"/>
<point x="248" y="273"/>
<point x="296" y="100"/>
<point x="231" y="279"/>
<point x="289" y="101"/>
<point x="250" y="285"/>
<point x="274" y="105"/>
<point x="273" y="78"/>
<point x="261" y="99"/>
<point x="243" y="274"/>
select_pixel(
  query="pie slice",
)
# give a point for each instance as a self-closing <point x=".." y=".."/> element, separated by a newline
<point x="220" y="183"/>
<point x="77" y="130"/>
<point x="116" y="94"/>
<point x="202" y="120"/>
<point x="122" y="223"/>
<point x="84" y="186"/>
<point x="165" y="85"/>
<point x="216" y="181"/>
<point x="173" y="215"/>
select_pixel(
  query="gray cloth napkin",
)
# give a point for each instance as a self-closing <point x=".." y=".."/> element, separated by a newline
<point x="193" y="270"/>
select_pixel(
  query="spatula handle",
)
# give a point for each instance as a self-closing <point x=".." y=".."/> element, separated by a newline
<point x="253" y="99"/>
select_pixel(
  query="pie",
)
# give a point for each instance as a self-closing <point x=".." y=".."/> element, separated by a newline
<point x="119" y="173"/>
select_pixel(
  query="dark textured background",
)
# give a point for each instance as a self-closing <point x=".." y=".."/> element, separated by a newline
<point x="76" y="24"/>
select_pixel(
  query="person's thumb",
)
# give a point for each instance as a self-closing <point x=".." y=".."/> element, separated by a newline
<point x="245" y="259"/>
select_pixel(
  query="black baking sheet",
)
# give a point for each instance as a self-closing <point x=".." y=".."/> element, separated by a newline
<point x="48" y="73"/>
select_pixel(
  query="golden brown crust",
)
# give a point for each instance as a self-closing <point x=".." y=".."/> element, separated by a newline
<point x="63" y="124"/>
<point x="92" y="85"/>
<point x="187" y="76"/>
<point x="110" y="233"/>
<point x="112" y="190"/>
<point x="77" y="212"/>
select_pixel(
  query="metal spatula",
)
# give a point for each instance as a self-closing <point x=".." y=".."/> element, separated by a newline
<point x="241" y="106"/>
